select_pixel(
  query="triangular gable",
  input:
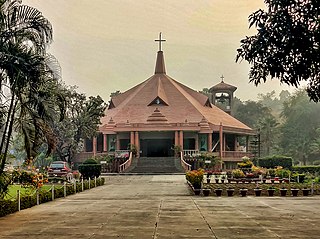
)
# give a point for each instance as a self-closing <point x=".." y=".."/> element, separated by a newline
<point x="158" y="101"/>
<point x="111" y="105"/>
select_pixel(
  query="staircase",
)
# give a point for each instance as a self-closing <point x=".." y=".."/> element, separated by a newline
<point x="155" y="165"/>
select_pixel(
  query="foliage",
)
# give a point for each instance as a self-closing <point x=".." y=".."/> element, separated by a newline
<point x="282" y="173"/>
<point x="307" y="169"/>
<point x="29" y="100"/>
<point x="286" y="45"/>
<point x="238" y="173"/>
<point x="90" y="169"/>
<point x="299" y="136"/>
<point x="80" y="122"/>
<point x="274" y="161"/>
<point x="246" y="163"/>
<point x="195" y="177"/>
<point x="177" y="149"/>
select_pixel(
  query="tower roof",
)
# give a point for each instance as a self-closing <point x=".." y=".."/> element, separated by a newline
<point x="223" y="86"/>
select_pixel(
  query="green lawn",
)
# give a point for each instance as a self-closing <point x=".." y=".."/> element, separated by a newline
<point x="12" y="193"/>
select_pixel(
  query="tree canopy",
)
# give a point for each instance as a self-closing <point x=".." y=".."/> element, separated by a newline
<point x="287" y="44"/>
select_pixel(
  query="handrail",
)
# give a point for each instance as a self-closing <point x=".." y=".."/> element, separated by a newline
<point x="126" y="164"/>
<point x="184" y="164"/>
<point x="191" y="152"/>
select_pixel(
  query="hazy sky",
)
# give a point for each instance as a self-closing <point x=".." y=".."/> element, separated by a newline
<point x="108" y="45"/>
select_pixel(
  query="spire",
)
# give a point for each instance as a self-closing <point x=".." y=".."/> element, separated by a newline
<point x="160" y="66"/>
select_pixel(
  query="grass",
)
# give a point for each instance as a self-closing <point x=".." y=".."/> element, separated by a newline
<point x="12" y="192"/>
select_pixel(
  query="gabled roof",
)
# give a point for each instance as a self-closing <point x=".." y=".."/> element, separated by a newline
<point x="223" y="86"/>
<point x="180" y="104"/>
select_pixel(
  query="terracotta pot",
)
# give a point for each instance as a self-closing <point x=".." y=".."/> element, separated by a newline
<point x="305" y="191"/>
<point x="258" y="191"/>
<point x="270" y="192"/>
<point x="294" y="192"/>
<point x="218" y="192"/>
<point x="196" y="191"/>
<point x="283" y="192"/>
<point x="230" y="192"/>
<point x="243" y="192"/>
<point x="206" y="192"/>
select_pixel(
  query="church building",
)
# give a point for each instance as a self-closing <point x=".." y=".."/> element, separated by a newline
<point x="160" y="113"/>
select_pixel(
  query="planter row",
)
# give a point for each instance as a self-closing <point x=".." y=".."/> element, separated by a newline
<point x="243" y="192"/>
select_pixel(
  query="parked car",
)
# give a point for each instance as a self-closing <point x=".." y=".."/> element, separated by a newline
<point x="60" y="169"/>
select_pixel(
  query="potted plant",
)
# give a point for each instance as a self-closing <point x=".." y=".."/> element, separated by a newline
<point x="223" y="178"/>
<point x="271" y="191"/>
<point x="283" y="192"/>
<point x="294" y="191"/>
<point x="257" y="191"/>
<point x="230" y="192"/>
<point x="195" y="178"/>
<point x="218" y="192"/>
<point x="305" y="191"/>
<point x="209" y="173"/>
<point x="206" y="191"/>
<point x="243" y="192"/>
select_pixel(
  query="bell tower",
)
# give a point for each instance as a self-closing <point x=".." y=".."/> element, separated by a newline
<point x="222" y="95"/>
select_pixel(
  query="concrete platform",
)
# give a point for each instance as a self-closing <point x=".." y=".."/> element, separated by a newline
<point x="154" y="206"/>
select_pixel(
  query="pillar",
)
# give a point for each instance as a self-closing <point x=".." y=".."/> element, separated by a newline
<point x="137" y="143"/>
<point x="132" y="138"/>
<point x="221" y="140"/>
<point x="94" y="146"/>
<point x="176" y="138"/>
<point x="209" y="142"/>
<point x="118" y="142"/>
<point x="105" y="143"/>
<point x="197" y="142"/>
<point x="181" y="139"/>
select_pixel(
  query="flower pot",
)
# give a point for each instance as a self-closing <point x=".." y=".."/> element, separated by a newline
<point x="305" y="191"/>
<point x="222" y="180"/>
<point x="272" y="180"/>
<point x="283" y="192"/>
<point x="206" y="191"/>
<point x="243" y="192"/>
<point x="280" y="180"/>
<point x="294" y="192"/>
<point x="230" y="192"/>
<point x="270" y="192"/>
<point x="264" y="180"/>
<point x="208" y="180"/>
<point x="257" y="192"/>
<point x="218" y="192"/>
<point x="196" y="191"/>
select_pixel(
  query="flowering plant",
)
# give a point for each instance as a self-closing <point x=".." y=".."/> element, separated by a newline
<point x="195" y="177"/>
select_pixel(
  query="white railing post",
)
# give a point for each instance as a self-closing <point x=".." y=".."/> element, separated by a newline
<point x="19" y="202"/>
<point x="82" y="184"/>
<point x="89" y="182"/>
<point x="64" y="189"/>
<point x="52" y="192"/>
<point x="75" y="187"/>
<point x="38" y="197"/>
<point x="95" y="181"/>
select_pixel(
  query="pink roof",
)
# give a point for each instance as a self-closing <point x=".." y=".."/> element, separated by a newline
<point x="177" y="105"/>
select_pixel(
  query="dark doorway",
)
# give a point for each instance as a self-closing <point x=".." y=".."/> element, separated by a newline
<point x="157" y="147"/>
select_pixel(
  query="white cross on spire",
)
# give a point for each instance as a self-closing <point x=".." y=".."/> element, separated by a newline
<point x="160" y="40"/>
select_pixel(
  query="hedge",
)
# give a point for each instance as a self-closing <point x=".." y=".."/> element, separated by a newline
<point x="307" y="169"/>
<point x="90" y="169"/>
<point x="274" y="161"/>
<point x="27" y="201"/>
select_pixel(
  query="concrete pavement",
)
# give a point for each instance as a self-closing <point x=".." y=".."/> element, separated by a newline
<point x="155" y="206"/>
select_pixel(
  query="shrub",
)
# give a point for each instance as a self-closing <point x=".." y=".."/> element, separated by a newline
<point x="238" y="173"/>
<point x="307" y="169"/>
<point x="90" y="169"/>
<point x="274" y="161"/>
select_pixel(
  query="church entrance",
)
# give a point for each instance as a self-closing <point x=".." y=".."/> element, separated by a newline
<point x="156" y="144"/>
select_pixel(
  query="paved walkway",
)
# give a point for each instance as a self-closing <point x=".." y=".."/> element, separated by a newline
<point x="161" y="207"/>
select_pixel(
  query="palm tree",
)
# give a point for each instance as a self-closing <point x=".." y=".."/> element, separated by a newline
<point x="28" y="77"/>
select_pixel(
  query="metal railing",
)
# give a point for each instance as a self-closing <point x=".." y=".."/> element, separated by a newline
<point x="126" y="164"/>
<point x="190" y="152"/>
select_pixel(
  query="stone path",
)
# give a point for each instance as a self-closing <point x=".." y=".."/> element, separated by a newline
<point x="162" y="207"/>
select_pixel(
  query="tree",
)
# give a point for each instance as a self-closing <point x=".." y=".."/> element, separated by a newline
<point x="81" y="121"/>
<point x="287" y="44"/>
<point x="299" y="130"/>
<point x="28" y="78"/>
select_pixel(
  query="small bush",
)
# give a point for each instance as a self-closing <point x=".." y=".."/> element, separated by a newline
<point x="307" y="169"/>
<point x="90" y="169"/>
<point x="274" y="161"/>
